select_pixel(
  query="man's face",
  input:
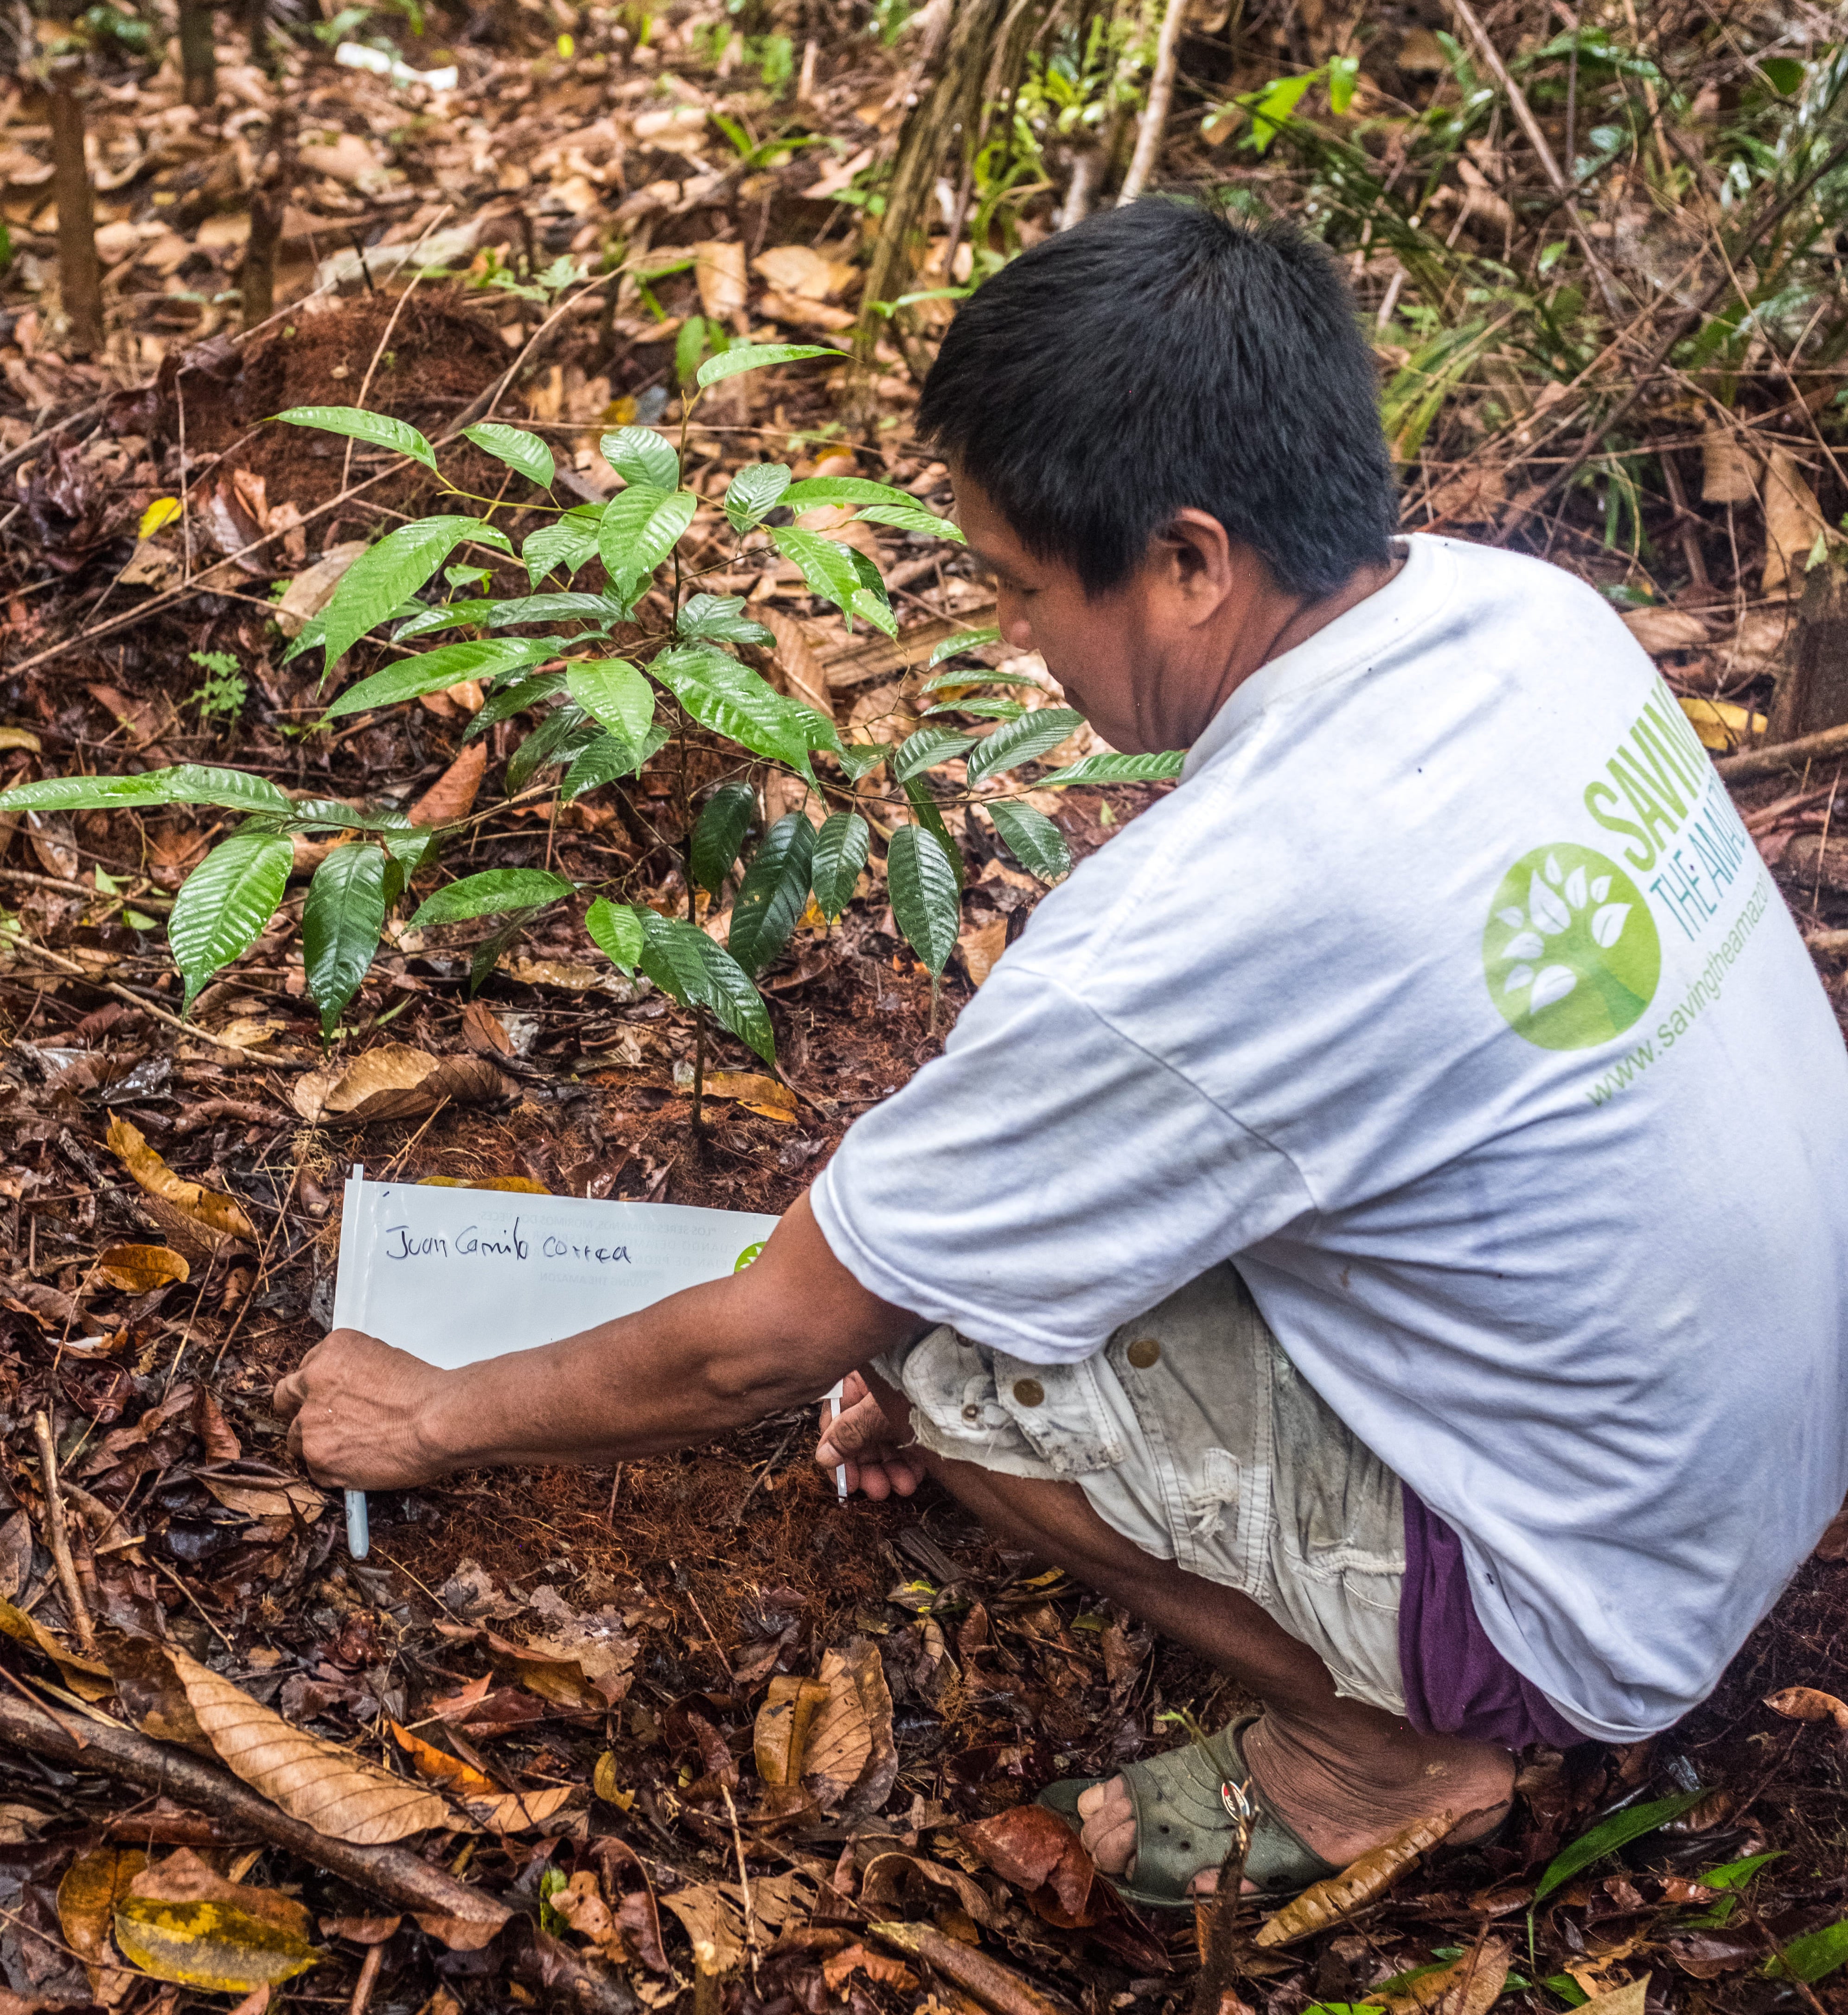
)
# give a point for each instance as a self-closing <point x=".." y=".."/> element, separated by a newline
<point x="1093" y="647"/>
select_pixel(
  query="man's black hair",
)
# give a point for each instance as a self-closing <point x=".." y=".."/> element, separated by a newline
<point x="1158" y="356"/>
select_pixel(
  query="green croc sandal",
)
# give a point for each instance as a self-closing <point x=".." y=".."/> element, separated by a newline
<point x="1186" y="1803"/>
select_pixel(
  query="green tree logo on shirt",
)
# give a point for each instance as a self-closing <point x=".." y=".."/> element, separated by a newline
<point x="1571" y="952"/>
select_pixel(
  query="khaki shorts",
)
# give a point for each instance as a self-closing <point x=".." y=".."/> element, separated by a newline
<point x="1192" y="1435"/>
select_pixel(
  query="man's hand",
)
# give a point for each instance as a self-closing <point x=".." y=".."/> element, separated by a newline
<point x="861" y="1437"/>
<point x="359" y="1414"/>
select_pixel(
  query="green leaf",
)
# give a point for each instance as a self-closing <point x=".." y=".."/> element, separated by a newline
<point x="224" y="902"/>
<point x="434" y="671"/>
<point x="1814" y="1956"/>
<point x="773" y="893"/>
<point x="965" y="640"/>
<point x="967" y="682"/>
<point x="927" y="903"/>
<point x="926" y="748"/>
<point x="486" y="955"/>
<point x="720" y="619"/>
<point x="1736" y="1874"/>
<point x="603" y="610"/>
<point x="1610" y="1834"/>
<point x="720" y="833"/>
<point x="684" y="961"/>
<point x="616" y="930"/>
<point x="524" y="453"/>
<point x="607" y="758"/>
<point x="391" y="572"/>
<point x="859" y="758"/>
<point x="1343" y="73"/>
<point x="341" y="924"/>
<point x="184" y="783"/>
<point x="1017" y="741"/>
<point x="569" y="544"/>
<point x="1565" y="1986"/>
<point x="755" y="356"/>
<point x="1032" y="839"/>
<point x="841" y="847"/>
<point x="730" y="698"/>
<point x="845" y="491"/>
<point x="755" y="492"/>
<point x="826" y="565"/>
<point x="640" y="528"/>
<point x="451" y="616"/>
<point x="912" y="517"/>
<point x="640" y="456"/>
<point x="514" y="695"/>
<point x="870" y="599"/>
<point x="378" y="428"/>
<point x="329" y="815"/>
<point x="561" y="735"/>
<point x="931" y="818"/>
<point x="981" y="710"/>
<point x="611" y="690"/>
<point x="488" y="894"/>
<point x="1119" y="770"/>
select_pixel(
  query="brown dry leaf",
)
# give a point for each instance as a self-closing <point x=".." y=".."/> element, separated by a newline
<point x="215" y="1217"/>
<point x="896" y="1881"/>
<point x="804" y="273"/>
<point x="1793" y="520"/>
<point x="280" y="1501"/>
<point x="796" y="659"/>
<point x="312" y="589"/>
<point x="138" y="1270"/>
<point x="1661" y="629"/>
<point x="311" y="1780"/>
<point x="1326" y="1903"/>
<point x="856" y="1959"/>
<point x="1470" y="1985"/>
<point x="513" y="1812"/>
<point x="484" y="1031"/>
<point x="437" y="1766"/>
<point x="1809" y="1704"/>
<point x="713" y="1922"/>
<point x="1728" y="469"/>
<point x="1473" y="496"/>
<point x="851" y="1758"/>
<point x="780" y="1736"/>
<point x="752" y="1089"/>
<point x="1627" y="2000"/>
<point x="580" y="1904"/>
<point x="1833" y="1545"/>
<point x="452" y="796"/>
<point x="1034" y="1849"/>
<point x="92" y="1886"/>
<point x="804" y="313"/>
<point x="395" y="1082"/>
<point x="15" y="1555"/>
<point x="180" y="1922"/>
<point x="563" y="973"/>
<point x="54" y="842"/>
<point x="719" y="269"/>
<point x="980" y="949"/>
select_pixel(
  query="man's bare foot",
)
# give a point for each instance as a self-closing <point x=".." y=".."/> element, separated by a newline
<point x="1339" y="1805"/>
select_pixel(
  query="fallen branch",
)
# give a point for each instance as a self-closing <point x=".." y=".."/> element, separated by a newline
<point x="1155" y="113"/>
<point x="1750" y="762"/>
<point x="994" y="1985"/>
<point x="57" y="1538"/>
<point x="464" y="1918"/>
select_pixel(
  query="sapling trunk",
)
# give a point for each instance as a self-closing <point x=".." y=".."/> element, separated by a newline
<point x="699" y="1072"/>
<point x="257" y="21"/>
<point x="80" y="271"/>
<point x="269" y="199"/>
<point x="199" y="58"/>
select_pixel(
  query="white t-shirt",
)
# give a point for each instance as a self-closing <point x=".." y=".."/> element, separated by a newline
<point x="1448" y="994"/>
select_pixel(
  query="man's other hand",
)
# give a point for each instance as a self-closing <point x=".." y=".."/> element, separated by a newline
<point x="359" y="1412"/>
<point x="878" y="1458"/>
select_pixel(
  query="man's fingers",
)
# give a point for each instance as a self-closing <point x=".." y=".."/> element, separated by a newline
<point x="286" y="1400"/>
<point x="862" y="1425"/>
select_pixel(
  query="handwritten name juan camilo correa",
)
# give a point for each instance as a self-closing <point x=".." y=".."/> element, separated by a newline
<point x="472" y="1242"/>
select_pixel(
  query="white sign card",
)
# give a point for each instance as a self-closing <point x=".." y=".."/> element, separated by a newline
<point x="456" y="1276"/>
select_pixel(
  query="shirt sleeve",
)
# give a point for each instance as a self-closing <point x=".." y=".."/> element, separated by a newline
<point x="1046" y="1179"/>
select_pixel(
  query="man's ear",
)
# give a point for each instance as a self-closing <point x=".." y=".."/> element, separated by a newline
<point x="1198" y="563"/>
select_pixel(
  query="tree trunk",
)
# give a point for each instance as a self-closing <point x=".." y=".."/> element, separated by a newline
<point x="269" y="199"/>
<point x="1812" y="693"/>
<point x="1155" y="113"/>
<point x="80" y="271"/>
<point x="199" y="58"/>
<point x="257" y="20"/>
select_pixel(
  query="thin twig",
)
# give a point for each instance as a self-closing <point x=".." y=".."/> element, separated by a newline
<point x="744" y="1879"/>
<point x="1155" y="113"/>
<point x="58" y="1539"/>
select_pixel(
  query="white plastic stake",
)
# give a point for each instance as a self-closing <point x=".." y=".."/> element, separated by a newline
<point x="837" y="1393"/>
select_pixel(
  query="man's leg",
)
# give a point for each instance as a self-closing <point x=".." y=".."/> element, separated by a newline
<point x="1346" y="1775"/>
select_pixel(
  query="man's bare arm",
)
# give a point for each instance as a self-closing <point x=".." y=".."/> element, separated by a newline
<point x="778" y="1335"/>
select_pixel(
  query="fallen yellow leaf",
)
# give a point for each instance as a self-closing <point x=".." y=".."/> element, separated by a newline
<point x="751" y="1088"/>
<point x="180" y="1922"/>
<point x="217" y="1216"/>
<point x="93" y="1885"/>
<point x="20" y="737"/>
<point x="1720" y="724"/>
<point x="162" y="511"/>
<point x="138" y="1270"/>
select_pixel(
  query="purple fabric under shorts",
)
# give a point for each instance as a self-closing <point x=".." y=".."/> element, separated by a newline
<point x="1456" y="1681"/>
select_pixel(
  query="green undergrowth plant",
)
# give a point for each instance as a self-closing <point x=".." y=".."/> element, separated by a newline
<point x="599" y="711"/>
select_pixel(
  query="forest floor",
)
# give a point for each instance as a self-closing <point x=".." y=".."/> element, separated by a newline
<point x="608" y="1649"/>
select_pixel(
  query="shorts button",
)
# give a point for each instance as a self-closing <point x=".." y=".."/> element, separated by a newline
<point x="1144" y="1352"/>
<point x="1028" y="1391"/>
<point x="972" y="1412"/>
